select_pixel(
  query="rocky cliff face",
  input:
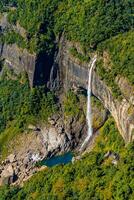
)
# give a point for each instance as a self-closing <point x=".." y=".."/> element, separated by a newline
<point x="68" y="71"/>
<point x="43" y="141"/>
<point x="37" y="66"/>
<point x="74" y="73"/>
<point x="19" y="60"/>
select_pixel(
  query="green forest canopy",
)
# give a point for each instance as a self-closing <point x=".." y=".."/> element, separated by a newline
<point x="86" y="21"/>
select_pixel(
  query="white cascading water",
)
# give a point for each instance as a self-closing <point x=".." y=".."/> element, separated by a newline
<point x="89" y="111"/>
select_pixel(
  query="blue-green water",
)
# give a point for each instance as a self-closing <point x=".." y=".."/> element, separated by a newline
<point x="57" y="160"/>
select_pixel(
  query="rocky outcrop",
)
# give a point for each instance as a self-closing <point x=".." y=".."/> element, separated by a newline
<point x="39" y="143"/>
<point x="4" y="24"/>
<point x="118" y="108"/>
<point x="37" y="66"/>
<point x="19" y="60"/>
<point x="62" y="135"/>
<point x="73" y="73"/>
<point x="8" y="175"/>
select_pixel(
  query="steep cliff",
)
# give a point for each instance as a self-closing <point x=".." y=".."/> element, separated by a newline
<point x="63" y="69"/>
<point x="19" y="60"/>
<point x="73" y="72"/>
<point x="36" y="65"/>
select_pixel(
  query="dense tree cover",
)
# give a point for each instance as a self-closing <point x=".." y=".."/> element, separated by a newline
<point x="81" y="57"/>
<point x="88" y="22"/>
<point x="71" y="104"/>
<point x="18" y="101"/>
<point x="117" y="62"/>
<point x="9" y="2"/>
<point x="5" y="3"/>
<point x="121" y="54"/>
<point x="11" y="37"/>
<point x="20" y="105"/>
<point x="93" y="177"/>
<point x="91" y="22"/>
<point x="38" y="20"/>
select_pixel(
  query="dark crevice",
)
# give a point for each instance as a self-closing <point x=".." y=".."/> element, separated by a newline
<point x="43" y="66"/>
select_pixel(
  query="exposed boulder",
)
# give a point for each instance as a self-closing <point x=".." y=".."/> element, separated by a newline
<point x="42" y="142"/>
<point x="11" y="158"/>
<point x="8" y="175"/>
<point x="20" y="60"/>
<point x="113" y="156"/>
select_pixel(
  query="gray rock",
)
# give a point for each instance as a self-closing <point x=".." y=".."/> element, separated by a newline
<point x="115" y="162"/>
<point x="11" y="158"/>
<point x="108" y="154"/>
<point x="8" y="175"/>
<point x="52" y="122"/>
<point x="60" y="130"/>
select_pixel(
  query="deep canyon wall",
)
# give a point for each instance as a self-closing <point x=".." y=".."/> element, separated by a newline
<point x="19" y="60"/>
<point x="67" y="72"/>
<point x="37" y="66"/>
<point x="75" y="74"/>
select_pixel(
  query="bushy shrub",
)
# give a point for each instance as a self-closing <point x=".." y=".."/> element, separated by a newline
<point x="71" y="104"/>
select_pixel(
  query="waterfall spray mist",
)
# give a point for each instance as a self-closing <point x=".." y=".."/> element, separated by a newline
<point x="89" y="110"/>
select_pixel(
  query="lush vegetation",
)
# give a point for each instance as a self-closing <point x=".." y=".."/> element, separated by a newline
<point x="20" y="105"/>
<point x="98" y="25"/>
<point x="11" y="37"/>
<point x="121" y="54"/>
<point x="91" y="22"/>
<point x="5" y="3"/>
<point x="76" y="54"/>
<point x="109" y="77"/>
<point x="88" y="22"/>
<point x="93" y="177"/>
<point x="74" y="106"/>
<point x="38" y="20"/>
<point x="71" y="104"/>
<point x="116" y="59"/>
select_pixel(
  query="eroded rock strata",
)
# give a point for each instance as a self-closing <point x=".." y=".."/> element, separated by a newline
<point x="74" y="73"/>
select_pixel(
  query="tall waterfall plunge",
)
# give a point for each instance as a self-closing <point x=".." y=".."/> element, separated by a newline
<point x="89" y="110"/>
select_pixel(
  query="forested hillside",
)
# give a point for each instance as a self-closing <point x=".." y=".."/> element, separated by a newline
<point x="58" y="33"/>
<point x="89" y="22"/>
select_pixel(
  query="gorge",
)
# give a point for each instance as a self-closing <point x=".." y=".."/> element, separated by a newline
<point x="67" y="72"/>
<point x="66" y="90"/>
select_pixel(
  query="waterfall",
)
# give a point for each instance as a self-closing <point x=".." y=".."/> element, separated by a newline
<point x="89" y="111"/>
